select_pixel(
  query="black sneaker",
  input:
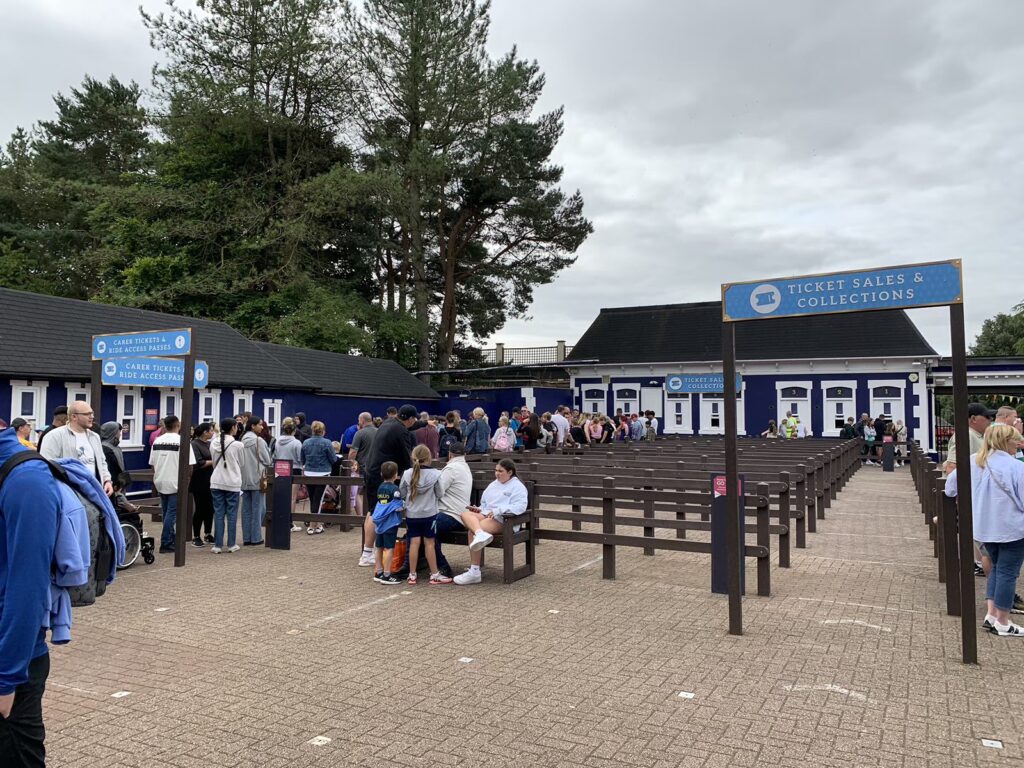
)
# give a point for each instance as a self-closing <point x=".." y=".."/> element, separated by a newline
<point x="390" y="579"/>
<point x="1018" y="605"/>
<point x="208" y="539"/>
<point x="198" y="542"/>
<point x="401" y="575"/>
<point x="378" y="575"/>
<point x="166" y="550"/>
<point x="978" y="570"/>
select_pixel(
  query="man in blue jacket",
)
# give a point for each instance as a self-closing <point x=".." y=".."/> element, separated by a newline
<point x="29" y="506"/>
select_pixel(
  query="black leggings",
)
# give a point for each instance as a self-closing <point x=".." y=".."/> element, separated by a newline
<point x="316" y="493"/>
<point x="202" y="516"/>
<point x="22" y="734"/>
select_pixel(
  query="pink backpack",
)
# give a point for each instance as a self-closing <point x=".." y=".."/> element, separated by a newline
<point x="504" y="441"/>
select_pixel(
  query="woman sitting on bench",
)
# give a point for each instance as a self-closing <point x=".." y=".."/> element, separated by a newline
<point x="505" y="497"/>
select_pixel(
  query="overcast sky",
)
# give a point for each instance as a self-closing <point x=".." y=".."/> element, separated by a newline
<point x="714" y="140"/>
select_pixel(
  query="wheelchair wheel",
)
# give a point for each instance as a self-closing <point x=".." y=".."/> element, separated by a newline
<point x="132" y="545"/>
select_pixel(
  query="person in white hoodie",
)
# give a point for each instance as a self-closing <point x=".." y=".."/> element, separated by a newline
<point x="226" y="484"/>
<point x="255" y="461"/>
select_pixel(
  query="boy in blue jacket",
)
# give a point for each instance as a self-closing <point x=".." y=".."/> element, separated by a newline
<point x="29" y="506"/>
<point x="387" y="516"/>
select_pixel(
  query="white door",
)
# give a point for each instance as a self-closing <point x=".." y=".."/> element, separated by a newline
<point x="794" y="397"/>
<point x="712" y="414"/>
<point x="887" y="400"/>
<point x="651" y="399"/>
<point x="679" y="418"/>
<point x="840" y="404"/>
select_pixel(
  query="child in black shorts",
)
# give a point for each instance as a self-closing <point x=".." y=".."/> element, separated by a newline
<point x="387" y="516"/>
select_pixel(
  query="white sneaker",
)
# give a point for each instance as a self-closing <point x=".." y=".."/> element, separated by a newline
<point x="234" y="548"/>
<point x="480" y="540"/>
<point x="469" y="577"/>
<point x="216" y="550"/>
<point x="296" y="528"/>
<point x="366" y="559"/>
<point x="311" y="530"/>
<point x="1009" y="630"/>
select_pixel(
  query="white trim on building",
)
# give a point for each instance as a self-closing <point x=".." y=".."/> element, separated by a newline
<point x="836" y="409"/>
<point x="28" y="401"/>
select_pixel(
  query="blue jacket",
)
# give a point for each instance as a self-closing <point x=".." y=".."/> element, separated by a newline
<point x="29" y="505"/>
<point x="387" y="516"/>
<point x="348" y="437"/>
<point x="318" y="455"/>
<point x="87" y="485"/>
<point x="477" y="435"/>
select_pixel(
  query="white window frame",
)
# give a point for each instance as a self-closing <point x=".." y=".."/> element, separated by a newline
<point x="136" y="420"/>
<point x="876" y="405"/>
<point x="166" y="393"/>
<point x="245" y="397"/>
<point x="827" y="402"/>
<point x="272" y="415"/>
<point x="211" y="396"/>
<point x="81" y="392"/>
<point x="782" y="405"/>
<point x="37" y="416"/>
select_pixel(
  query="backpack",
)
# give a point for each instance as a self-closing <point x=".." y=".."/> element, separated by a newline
<point x="651" y="433"/>
<point x="101" y="546"/>
<point x="447" y="438"/>
<point x="505" y="441"/>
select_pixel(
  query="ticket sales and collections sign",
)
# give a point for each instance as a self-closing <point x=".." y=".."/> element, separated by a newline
<point x="173" y="343"/>
<point x="904" y="287"/>
<point x="709" y="382"/>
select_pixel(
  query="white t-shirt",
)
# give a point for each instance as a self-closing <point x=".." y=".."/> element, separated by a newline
<point x="562" y="425"/>
<point x="86" y="454"/>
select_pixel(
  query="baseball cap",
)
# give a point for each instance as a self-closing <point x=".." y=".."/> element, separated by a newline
<point x="457" y="449"/>
<point x="18" y="423"/>
<point x="60" y="410"/>
<point x="408" y="412"/>
<point x="977" y="409"/>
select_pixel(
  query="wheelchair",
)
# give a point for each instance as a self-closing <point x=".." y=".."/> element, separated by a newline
<point x="136" y="542"/>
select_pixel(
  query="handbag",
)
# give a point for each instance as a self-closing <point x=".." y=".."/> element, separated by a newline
<point x="399" y="554"/>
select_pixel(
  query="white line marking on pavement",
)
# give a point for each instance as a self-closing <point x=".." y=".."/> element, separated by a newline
<point x="282" y="578"/>
<point x="319" y="741"/>
<point x="861" y="605"/>
<point x="858" y="622"/>
<point x="73" y="688"/>
<point x="687" y="695"/>
<point x="830" y="688"/>
<point x="294" y="632"/>
<point x="465" y="659"/>
<point x="554" y="611"/>
<point x="993" y="743"/>
<point x="871" y="535"/>
<point x="363" y="607"/>
<point x="161" y="610"/>
<point x="587" y="564"/>
<point x="120" y="694"/>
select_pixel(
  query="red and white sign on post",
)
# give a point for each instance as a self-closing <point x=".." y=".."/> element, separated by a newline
<point x="719" y="485"/>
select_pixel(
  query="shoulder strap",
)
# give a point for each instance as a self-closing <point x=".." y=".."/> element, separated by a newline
<point x="995" y="479"/>
<point x="22" y="456"/>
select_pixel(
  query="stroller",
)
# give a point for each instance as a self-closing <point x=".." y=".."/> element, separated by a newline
<point x="136" y="542"/>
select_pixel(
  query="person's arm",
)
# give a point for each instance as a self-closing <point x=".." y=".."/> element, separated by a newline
<point x="101" y="462"/>
<point x="403" y="488"/>
<point x="263" y="453"/>
<point x="31" y="504"/>
<point x="950" y="489"/>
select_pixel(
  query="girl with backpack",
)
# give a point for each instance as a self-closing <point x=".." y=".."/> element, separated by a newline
<point x="226" y="484"/>
<point x="504" y="439"/>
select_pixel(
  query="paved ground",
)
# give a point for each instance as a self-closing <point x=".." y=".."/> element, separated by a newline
<point x="244" y="659"/>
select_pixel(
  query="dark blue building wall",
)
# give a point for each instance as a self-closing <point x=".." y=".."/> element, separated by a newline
<point x="494" y="401"/>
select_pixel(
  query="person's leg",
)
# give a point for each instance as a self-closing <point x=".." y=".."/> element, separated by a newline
<point x="444" y="524"/>
<point x="169" y="503"/>
<point x="1007" y="558"/>
<point x="246" y="516"/>
<point x="261" y="515"/>
<point x="22" y="733"/>
<point x="197" y="516"/>
<point x="208" y="515"/>
<point x="385" y="556"/>
<point x="990" y="583"/>
<point x="316" y="495"/>
<point x="219" y="509"/>
<point x="414" y="554"/>
<point x="231" y="506"/>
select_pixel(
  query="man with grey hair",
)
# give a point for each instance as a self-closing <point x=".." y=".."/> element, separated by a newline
<point x="358" y="454"/>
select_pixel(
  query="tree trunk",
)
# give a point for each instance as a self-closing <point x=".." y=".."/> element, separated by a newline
<point x="449" y="311"/>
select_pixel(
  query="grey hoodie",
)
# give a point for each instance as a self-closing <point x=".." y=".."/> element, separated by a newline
<point x="289" y="447"/>
<point x="254" y="461"/>
<point x="428" y="493"/>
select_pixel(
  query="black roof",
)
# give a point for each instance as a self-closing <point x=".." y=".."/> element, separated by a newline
<point x="334" y="373"/>
<point x="693" y="332"/>
<point x="47" y="336"/>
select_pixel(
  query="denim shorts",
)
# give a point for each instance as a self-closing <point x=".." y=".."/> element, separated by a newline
<point x="386" y="540"/>
<point x="421" y="527"/>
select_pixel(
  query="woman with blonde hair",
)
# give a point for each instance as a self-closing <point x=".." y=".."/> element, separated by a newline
<point x="318" y="457"/>
<point x="421" y="490"/>
<point x="997" y="498"/>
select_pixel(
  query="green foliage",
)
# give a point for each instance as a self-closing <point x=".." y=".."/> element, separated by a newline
<point x="1002" y="335"/>
<point x="363" y="180"/>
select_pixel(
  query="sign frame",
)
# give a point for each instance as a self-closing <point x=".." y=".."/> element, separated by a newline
<point x="963" y="575"/>
<point x="957" y="263"/>
<point x="100" y="336"/>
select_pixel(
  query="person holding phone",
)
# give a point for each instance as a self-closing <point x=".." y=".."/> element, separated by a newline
<point x="505" y="497"/>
